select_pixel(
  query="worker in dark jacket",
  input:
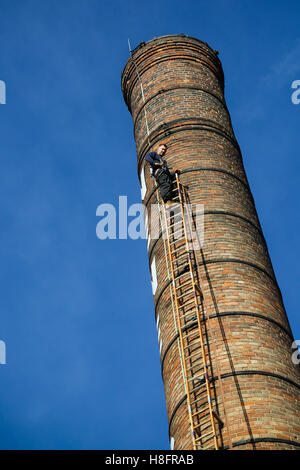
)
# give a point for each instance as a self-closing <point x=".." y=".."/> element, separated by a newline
<point x="161" y="173"/>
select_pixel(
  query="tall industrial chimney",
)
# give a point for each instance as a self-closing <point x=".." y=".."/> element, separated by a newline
<point x="174" y="89"/>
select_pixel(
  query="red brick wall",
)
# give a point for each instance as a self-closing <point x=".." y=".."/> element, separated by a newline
<point x="184" y="99"/>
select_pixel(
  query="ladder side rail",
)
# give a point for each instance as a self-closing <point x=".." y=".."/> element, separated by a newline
<point x="191" y="224"/>
<point x="207" y="382"/>
<point x="179" y="330"/>
<point x="170" y="279"/>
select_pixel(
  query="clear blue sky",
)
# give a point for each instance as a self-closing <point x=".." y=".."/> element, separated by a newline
<point x="77" y="316"/>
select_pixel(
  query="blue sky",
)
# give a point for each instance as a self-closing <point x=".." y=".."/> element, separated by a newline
<point x="77" y="316"/>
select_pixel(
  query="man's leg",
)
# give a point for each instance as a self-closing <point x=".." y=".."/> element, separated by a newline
<point x="173" y="184"/>
<point x="165" y="185"/>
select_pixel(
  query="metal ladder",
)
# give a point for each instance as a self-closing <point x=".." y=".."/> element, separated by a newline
<point x="192" y="326"/>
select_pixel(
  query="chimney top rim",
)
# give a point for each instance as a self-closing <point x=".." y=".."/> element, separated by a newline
<point x="178" y="35"/>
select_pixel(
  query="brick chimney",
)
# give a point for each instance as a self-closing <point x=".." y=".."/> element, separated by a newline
<point x="183" y="86"/>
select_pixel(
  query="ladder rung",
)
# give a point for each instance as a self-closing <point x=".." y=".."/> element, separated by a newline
<point x="185" y="253"/>
<point x="204" y="399"/>
<point x="198" y="366"/>
<point x="195" y="330"/>
<point x="195" y="356"/>
<point x="184" y="273"/>
<point x="184" y="284"/>
<point x="196" y="388"/>
<point x="181" y="241"/>
<point x="188" y="318"/>
<point x="200" y="446"/>
<point x="177" y="226"/>
<point x="201" y="395"/>
<point x="188" y="292"/>
<point x="198" y="425"/>
<point x="177" y="236"/>
<point x="182" y="265"/>
<point x="198" y="346"/>
<point x="208" y="442"/>
<point x="203" y="391"/>
<point x="200" y="411"/>
<point x="197" y="350"/>
<point x="203" y="384"/>
<point x="191" y="345"/>
<point x="208" y="447"/>
<point x="195" y="344"/>
<point x="191" y="379"/>
<point x="194" y="308"/>
<point x="198" y="359"/>
<point x="187" y="335"/>
<point x="195" y="366"/>
<point x="190" y="295"/>
<point x="176" y="223"/>
<point x="188" y="302"/>
<point x="202" y="341"/>
<point x="180" y="259"/>
<point x="205" y="427"/>
<point x="207" y="434"/>
<point x="181" y="249"/>
<point x="189" y="312"/>
<point x="204" y="407"/>
<point x="192" y="300"/>
<point x="204" y="424"/>
<point x="170" y="208"/>
<point x="179" y="267"/>
<point x="175" y="250"/>
<point x="174" y="235"/>
<point x="178" y="240"/>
